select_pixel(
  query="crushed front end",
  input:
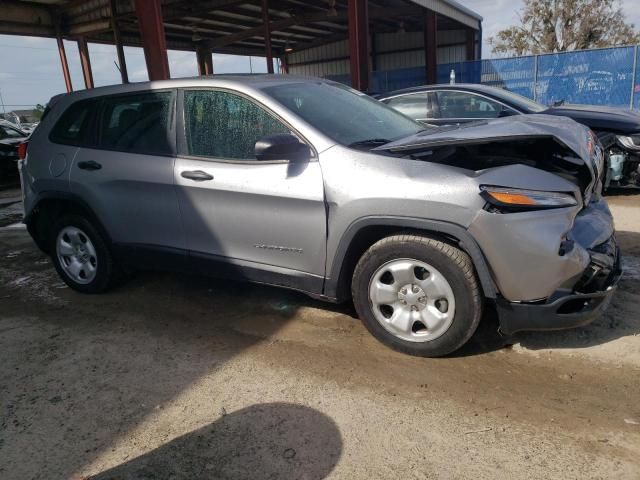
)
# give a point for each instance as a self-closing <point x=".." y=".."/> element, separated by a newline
<point x="579" y="303"/>
<point x="535" y="192"/>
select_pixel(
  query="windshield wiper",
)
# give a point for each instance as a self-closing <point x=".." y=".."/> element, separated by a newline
<point x="371" y="142"/>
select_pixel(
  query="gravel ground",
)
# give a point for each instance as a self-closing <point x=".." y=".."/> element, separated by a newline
<point x="172" y="377"/>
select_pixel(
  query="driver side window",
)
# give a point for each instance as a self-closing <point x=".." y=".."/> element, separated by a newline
<point x="466" y="105"/>
<point x="220" y="124"/>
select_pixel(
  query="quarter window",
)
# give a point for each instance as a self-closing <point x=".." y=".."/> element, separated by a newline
<point x="412" y="105"/>
<point x="467" y="105"/>
<point x="224" y="125"/>
<point x="140" y="123"/>
<point x="71" y="128"/>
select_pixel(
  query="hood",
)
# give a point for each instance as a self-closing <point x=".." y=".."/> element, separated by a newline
<point x="555" y="144"/>
<point x="619" y="120"/>
<point x="519" y="127"/>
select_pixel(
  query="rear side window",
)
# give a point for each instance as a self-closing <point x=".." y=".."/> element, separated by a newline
<point x="455" y="104"/>
<point x="140" y="123"/>
<point x="223" y="125"/>
<point x="413" y="105"/>
<point x="72" y="127"/>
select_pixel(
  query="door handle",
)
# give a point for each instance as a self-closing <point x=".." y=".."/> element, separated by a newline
<point x="89" y="165"/>
<point x="196" y="175"/>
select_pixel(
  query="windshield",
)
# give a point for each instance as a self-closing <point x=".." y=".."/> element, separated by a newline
<point x="520" y="101"/>
<point x="345" y="115"/>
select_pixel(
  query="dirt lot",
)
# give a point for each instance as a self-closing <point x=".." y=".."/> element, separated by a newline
<point x="173" y="377"/>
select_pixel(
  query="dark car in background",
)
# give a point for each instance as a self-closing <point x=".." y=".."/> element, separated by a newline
<point x="10" y="138"/>
<point x="618" y="129"/>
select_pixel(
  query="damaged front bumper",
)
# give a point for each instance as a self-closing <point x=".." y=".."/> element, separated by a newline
<point x="569" y="308"/>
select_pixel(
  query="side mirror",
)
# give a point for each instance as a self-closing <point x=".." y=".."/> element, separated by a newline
<point x="506" y="112"/>
<point x="282" y="146"/>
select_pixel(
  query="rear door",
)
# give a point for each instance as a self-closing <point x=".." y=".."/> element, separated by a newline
<point x="264" y="218"/>
<point x="125" y="172"/>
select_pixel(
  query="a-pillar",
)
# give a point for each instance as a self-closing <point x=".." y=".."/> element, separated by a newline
<point x="204" y="58"/>
<point x="149" y="14"/>
<point x="359" y="44"/>
<point x="85" y="62"/>
<point x="431" y="46"/>
<point x="65" y="65"/>
<point x="267" y="35"/>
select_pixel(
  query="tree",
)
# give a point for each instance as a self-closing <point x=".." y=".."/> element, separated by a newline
<point x="38" y="111"/>
<point x="548" y="26"/>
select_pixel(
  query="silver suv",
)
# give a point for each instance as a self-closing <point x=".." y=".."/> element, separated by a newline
<point x="310" y="185"/>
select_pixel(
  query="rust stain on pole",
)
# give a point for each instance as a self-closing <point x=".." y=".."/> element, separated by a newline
<point x="149" y="14"/>
<point x="431" y="46"/>
<point x="359" y="43"/>
<point x="267" y="35"/>
<point x="204" y="56"/>
<point x="85" y="61"/>
<point x="65" y="65"/>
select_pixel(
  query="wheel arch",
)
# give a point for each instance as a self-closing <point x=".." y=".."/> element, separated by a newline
<point x="51" y="205"/>
<point x="364" y="232"/>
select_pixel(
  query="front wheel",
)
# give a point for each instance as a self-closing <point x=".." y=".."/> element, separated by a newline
<point x="417" y="295"/>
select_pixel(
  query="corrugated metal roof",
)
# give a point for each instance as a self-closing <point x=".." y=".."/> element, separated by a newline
<point x="454" y="10"/>
<point x="227" y="26"/>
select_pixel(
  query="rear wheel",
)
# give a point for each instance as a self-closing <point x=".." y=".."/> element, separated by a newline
<point x="81" y="255"/>
<point x="417" y="294"/>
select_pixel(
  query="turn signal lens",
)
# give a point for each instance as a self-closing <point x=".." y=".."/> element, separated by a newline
<point x="526" y="199"/>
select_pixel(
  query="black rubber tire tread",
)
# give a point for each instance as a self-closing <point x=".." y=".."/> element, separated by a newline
<point x="108" y="274"/>
<point x="452" y="262"/>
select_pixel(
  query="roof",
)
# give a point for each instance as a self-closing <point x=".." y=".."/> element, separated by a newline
<point x="442" y="86"/>
<point x="256" y="81"/>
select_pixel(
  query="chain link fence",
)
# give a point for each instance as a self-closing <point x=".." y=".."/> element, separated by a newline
<point x="609" y="76"/>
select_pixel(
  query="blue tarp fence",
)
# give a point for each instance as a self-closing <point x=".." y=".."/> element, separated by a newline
<point x="609" y="76"/>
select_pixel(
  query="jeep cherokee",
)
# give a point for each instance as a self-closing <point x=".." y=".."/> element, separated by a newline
<point x="310" y="185"/>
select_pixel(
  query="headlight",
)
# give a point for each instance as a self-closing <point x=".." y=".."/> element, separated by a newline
<point x="517" y="199"/>
<point x="631" y="142"/>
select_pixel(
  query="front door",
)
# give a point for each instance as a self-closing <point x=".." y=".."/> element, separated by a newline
<point x="259" y="220"/>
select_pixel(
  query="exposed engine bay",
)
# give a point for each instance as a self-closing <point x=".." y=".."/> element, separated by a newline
<point x="623" y="160"/>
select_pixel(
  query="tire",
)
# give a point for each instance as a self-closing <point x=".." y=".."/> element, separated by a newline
<point x="94" y="258"/>
<point x="438" y="301"/>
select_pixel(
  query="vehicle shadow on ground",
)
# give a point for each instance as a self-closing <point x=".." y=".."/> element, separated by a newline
<point x="271" y="440"/>
<point x="82" y="373"/>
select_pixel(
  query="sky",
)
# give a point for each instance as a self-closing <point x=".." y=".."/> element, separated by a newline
<point x="30" y="70"/>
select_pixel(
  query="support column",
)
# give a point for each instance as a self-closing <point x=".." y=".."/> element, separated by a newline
<point x="283" y="64"/>
<point x="471" y="44"/>
<point x="204" y="57"/>
<point x="431" y="46"/>
<point x="359" y="43"/>
<point x="117" y="40"/>
<point x="122" y="63"/>
<point x="149" y="14"/>
<point x="267" y="35"/>
<point x="65" y="65"/>
<point x="85" y="62"/>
